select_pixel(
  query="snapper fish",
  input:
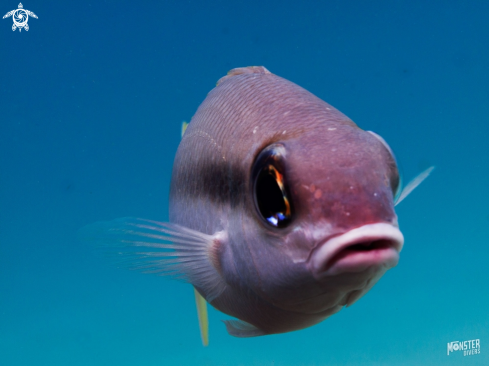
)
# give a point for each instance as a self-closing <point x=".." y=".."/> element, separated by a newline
<point x="281" y="208"/>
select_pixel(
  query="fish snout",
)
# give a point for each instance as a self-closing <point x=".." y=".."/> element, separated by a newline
<point x="372" y="245"/>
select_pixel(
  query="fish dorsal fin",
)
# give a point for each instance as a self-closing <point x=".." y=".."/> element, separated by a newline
<point x="160" y="248"/>
<point x="244" y="70"/>
<point x="241" y="329"/>
<point x="203" y="318"/>
<point x="413" y="184"/>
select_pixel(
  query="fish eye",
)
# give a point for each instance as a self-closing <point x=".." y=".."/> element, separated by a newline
<point x="271" y="196"/>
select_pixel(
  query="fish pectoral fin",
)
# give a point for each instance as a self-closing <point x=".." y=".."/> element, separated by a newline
<point x="413" y="184"/>
<point x="241" y="329"/>
<point x="184" y="127"/>
<point x="161" y="248"/>
<point x="203" y="318"/>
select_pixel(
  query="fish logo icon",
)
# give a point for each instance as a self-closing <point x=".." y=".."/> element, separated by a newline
<point x="20" y="17"/>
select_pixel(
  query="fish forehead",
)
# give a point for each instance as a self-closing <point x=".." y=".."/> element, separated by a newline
<point x="248" y="109"/>
<point x="257" y="108"/>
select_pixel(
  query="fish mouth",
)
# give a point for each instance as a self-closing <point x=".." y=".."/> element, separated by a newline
<point x="358" y="249"/>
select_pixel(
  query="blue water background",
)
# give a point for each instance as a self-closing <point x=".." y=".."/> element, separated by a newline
<point x="91" y="102"/>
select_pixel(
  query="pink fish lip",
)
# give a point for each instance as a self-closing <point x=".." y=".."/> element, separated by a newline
<point x="370" y="245"/>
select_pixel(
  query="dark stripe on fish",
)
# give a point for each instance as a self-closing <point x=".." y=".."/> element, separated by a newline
<point x="219" y="181"/>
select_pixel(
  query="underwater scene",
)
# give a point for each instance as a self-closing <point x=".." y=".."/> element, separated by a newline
<point x="244" y="183"/>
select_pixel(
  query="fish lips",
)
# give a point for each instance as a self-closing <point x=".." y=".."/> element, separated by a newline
<point x="372" y="245"/>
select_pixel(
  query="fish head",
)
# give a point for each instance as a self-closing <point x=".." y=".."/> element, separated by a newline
<point x="322" y="228"/>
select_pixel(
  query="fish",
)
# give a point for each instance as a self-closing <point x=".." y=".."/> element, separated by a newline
<point x="281" y="209"/>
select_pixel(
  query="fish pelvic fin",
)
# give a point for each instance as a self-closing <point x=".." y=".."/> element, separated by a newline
<point x="161" y="248"/>
<point x="413" y="184"/>
<point x="241" y="329"/>
<point x="203" y="318"/>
